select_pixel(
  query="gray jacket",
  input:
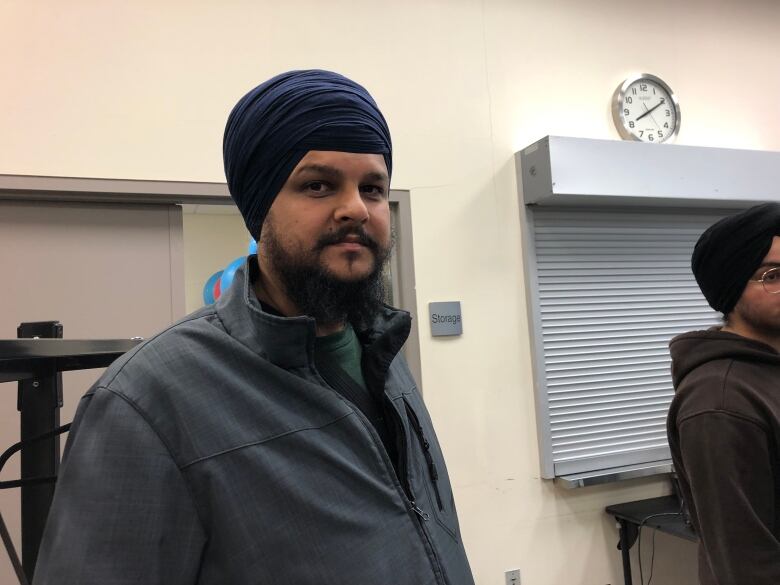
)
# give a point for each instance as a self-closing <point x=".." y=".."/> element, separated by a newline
<point x="215" y="454"/>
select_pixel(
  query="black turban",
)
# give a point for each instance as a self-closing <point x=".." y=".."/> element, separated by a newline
<point x="273" y="126"/>
<point x="730" y="251"/>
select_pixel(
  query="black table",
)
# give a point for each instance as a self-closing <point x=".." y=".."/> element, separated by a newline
<point x="23" y="359"/>
<point x="663" y="514"/>
<point x="37" y="365"/>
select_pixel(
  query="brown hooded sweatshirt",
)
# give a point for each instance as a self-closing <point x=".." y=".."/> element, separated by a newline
<point x="724" y="433"/>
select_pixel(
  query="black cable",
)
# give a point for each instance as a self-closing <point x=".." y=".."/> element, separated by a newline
<point x="27" y="481"/>
<point x="652" y="559"/>
<point x="639" y="543"/>
<point x="6" y="455"/>
<point x="22" y="444"/>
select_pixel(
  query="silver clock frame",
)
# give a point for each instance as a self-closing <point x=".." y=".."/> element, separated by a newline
<point x="617" y="106"/>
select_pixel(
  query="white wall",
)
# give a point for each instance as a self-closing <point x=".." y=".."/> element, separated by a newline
<point x="214" y="236"/>
<point x="141" y="90"/>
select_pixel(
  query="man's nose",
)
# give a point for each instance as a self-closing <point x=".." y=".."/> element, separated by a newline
<point x="351" y="206"/>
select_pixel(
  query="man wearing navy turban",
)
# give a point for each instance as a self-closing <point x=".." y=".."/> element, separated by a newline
<point x="277" y="436"/>
<point x="298" y="150"/>
<point x="724" y="422"/>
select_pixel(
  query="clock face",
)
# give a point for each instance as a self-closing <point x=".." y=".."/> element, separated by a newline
<point x="644" y="108"/>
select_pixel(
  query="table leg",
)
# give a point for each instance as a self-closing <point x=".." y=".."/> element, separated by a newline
<point x="625" y="551"/>
<point x="39" y="410"/>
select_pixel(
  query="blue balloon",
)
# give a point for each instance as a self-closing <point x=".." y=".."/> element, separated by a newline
<point x="252" y="247"/>
<point x="208" y="288"/>
<point x="230" y="272"/>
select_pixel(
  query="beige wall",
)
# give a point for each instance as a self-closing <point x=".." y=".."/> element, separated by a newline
<point x="103" y="271"/>
<point x="141" y="90"/>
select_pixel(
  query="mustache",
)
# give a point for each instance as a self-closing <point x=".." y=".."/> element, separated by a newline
<point x="357" y="232"/>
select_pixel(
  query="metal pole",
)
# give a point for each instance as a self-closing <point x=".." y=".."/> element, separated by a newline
<point x="9" y="547"/>
<point x="39" y="402"/>
<point x="625" y="549"/>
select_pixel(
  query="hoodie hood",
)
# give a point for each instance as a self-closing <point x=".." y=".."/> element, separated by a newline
<point x="692" y="350"/>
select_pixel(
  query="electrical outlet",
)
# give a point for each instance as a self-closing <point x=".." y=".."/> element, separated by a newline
<point x="512" y="577"/>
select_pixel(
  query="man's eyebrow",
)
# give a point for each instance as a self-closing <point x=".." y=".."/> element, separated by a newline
<point x="333" y="172"/>
<point x="376" y="176"/>
<point x="322" y="169"/>
<point x="767" y="265"/>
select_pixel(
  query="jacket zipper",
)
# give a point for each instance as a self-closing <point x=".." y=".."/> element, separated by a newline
<point x="403" y="464"/>
<point x="432" y="471"/>
<point x="419" y="511"/>
<point x="402" y="473"/>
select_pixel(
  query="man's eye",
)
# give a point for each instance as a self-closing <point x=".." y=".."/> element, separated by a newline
<point x="316" y="186"/>
<point x="372" y="191"/>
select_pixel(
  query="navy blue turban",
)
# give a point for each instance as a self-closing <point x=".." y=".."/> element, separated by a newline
<point x="272" y="127"/>
<point x="731" y="250"/>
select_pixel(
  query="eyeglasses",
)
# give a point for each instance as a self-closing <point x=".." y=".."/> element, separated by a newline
<point x="770" y="280"/>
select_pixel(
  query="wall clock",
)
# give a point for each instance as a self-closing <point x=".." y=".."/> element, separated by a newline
<point x="645" y="108"/>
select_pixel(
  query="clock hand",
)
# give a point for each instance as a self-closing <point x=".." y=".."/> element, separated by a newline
<point x="648" y="111"/>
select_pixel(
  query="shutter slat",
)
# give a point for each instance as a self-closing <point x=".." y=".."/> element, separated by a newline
<point x="599" y="298"/>
<point x="601" y="382"/>
<point x="603" y="417"/>
<point x="566" y="320"/>
<point x="627" y="349"/>
<point x="606" y="424"/>
<point x="589" y="403"/>
<point x="615" y="429"/>
<point x="590" y="442"/>
<point x="571" y="394"/>
<point x="616" y="338"/>
<point x="631" y="358"/>
<point x="627" y="443"/>
<point x="570" y="327"/>
<point x="608" y="365"/>
<point x="619" y="449"/>
<point x="598" y="409"/>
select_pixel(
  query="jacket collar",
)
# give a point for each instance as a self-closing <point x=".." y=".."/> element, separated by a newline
<point x="289" y="341"/>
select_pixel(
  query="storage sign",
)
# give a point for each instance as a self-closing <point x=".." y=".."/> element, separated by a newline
<point x="446" y="318"/>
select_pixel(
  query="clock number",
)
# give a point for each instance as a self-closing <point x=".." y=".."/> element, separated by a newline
<point x="650" y="137"/>
<point x="641" y="133"/>
<point x="668" y="113"/>
<point x="626" y="111"/>
<point x="629" y="100"/>
<point x="663" y="100"/>
<point x="653" y="91"/>
<point x="633" y="90"/>
<point x="666" y="124"/>
<point x="660" y="134"/>
<point x="631" y="124"/>
<point x="643" y="86"/>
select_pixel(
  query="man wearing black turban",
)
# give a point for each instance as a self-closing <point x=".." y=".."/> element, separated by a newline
<point x="277" y="436"/>
<point x="724" y="422"/>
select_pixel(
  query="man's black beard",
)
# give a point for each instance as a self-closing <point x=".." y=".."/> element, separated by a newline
<point x="318" y="293"/>
<point x="757" y="320"/>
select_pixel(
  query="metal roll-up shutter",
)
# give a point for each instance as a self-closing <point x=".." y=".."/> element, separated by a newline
<point x="613" y="287"/>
